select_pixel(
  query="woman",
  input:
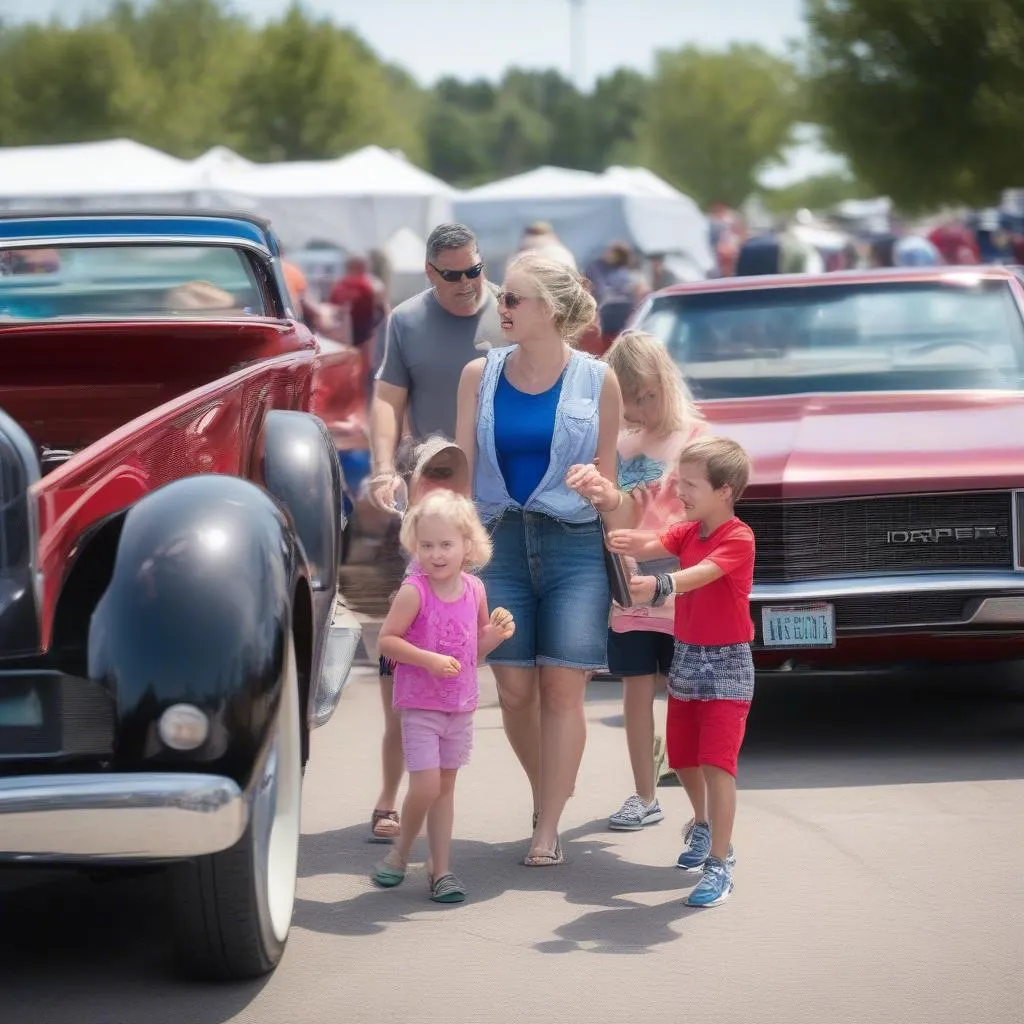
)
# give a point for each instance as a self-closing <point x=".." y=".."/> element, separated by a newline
<point x="527" y="412"/>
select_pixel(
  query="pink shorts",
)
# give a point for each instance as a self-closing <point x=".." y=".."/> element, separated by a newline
<point x="436" y="739"/>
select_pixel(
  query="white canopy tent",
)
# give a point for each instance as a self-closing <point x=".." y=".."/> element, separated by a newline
<point x="588" y="211"/>
<point x="357" y="202"/>
<point x="117" y="173"/>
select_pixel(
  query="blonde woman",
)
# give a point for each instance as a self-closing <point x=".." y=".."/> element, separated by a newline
<point x="660" y="419"/>
<point x="528" y="412"/>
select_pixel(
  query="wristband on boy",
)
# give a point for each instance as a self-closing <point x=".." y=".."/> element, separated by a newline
<point x="663" y="587"/>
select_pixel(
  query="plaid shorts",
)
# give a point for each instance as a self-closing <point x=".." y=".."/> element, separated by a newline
<point x="711" y="673"/>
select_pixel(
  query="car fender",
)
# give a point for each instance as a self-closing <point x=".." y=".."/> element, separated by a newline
<point x="299" y="467"/>
<point x="198" y="610"/>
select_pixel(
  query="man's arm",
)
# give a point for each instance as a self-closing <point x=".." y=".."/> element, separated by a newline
<point x="387" y="413"/>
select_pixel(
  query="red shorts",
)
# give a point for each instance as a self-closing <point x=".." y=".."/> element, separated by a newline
<point x="700" y="732"/>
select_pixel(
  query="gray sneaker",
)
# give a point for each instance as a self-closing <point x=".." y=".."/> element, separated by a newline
<point x="634" y="814"/>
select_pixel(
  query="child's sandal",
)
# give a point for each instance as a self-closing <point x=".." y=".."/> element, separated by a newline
<point x="384" y="827"/>
<point x="447" y="889"/>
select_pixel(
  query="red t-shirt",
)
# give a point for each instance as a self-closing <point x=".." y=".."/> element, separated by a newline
<point x="357" y="292"/>
<point x="719" y="612"/>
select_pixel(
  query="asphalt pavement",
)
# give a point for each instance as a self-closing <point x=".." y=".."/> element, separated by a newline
<point x="880" y="846"/>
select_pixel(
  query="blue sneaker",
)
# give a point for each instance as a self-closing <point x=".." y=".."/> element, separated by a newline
<point x="714" y="887"/>
<point x="693" y="857"/>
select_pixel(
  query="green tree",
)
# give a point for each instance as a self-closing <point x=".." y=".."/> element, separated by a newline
<point x="925" y="97"/>
<point x="194" y="53"/>
<point x="312" y="91"/>
<point x="714" y="118"/>
<point x="819" y="192"/>
<point x="60" y="85"/>
<point x="618" y="106"/>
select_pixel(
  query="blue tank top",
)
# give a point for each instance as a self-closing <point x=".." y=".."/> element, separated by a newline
<point x="523" y="427"/>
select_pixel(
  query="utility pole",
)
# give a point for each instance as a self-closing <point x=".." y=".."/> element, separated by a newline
<point x="576" y="41"/>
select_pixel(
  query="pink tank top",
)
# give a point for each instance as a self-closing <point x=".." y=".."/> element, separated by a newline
<point x="444" y="627"/>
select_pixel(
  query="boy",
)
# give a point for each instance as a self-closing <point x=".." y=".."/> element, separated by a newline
<point x="711" y="681"/>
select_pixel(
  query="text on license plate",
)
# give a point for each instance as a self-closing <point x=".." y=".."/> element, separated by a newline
<point x="798" y="625"/>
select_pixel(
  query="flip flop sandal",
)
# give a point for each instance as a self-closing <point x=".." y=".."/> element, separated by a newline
<point x="447" y="889"/>
<point x="384" y="827"/>
<point x="387" y="876"/>
<point x="546" y="860"/>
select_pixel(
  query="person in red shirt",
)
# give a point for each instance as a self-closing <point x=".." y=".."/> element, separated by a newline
<point x="711" y="681"/>
<point x="356" y="291"/>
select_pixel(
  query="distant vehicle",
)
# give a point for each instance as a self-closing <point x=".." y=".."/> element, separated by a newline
<point x="170" y="624"/>
<point x="884" y="411"/>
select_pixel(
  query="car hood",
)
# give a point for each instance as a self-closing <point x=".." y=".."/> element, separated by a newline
<point x="831" y="445"/>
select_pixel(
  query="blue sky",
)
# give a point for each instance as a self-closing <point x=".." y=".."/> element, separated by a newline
<point x="472" y="38"/>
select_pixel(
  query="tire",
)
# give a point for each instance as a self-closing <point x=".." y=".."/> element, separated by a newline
<point x="233" y="909"/>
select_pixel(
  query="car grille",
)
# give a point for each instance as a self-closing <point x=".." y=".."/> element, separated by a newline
<point x="806" y="540"/>
<point x="877" y="611"/>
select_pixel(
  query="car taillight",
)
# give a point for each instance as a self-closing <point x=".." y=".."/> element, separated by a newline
<point x="1018" y="528"/>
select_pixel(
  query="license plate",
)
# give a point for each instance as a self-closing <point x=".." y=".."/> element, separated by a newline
<point x="798" y="625"/>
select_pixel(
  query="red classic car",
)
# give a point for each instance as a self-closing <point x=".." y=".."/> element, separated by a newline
<point x="170" y="527"/>
<point x="884" y="411"/>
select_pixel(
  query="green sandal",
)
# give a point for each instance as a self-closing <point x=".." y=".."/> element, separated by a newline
<point x="447" y="889"/>
<point x="386" y="876"/>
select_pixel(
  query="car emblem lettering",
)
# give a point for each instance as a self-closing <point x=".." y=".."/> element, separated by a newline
<point x="940" y="534"/>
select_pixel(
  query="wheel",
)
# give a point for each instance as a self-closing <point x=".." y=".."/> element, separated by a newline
<point x="233" y="909"/>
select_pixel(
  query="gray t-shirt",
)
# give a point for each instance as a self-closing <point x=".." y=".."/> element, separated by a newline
<point x="426" y="349"/>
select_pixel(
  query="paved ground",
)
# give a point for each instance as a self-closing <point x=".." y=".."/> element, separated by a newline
<point x="880" y="844"/>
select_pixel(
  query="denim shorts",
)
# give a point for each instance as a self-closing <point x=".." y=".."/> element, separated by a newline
<point x="550" y="575"/>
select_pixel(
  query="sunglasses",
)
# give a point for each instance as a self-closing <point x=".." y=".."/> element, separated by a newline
<point x="451" y="276"/>
<point x="510" y="299"/>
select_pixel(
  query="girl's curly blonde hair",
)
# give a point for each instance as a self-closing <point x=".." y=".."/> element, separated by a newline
<point x="639" y="358"/>
<point x="456" y="510"/>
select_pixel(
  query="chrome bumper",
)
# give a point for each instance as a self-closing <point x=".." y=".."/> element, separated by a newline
<point x="991" y="599"/>
<point x="139" y="816"/>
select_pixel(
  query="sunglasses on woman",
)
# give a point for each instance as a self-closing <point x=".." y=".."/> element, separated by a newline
<point x="510" y="299"/>
<point x="451" y="276"/>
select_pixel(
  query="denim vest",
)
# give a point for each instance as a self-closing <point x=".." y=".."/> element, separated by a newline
<point x="574" y="440"/>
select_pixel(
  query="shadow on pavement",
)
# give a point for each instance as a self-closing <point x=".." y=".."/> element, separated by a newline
<point x="831" y="731"/>
<point x="594" y="874"/>
<point x="84" y="952"/>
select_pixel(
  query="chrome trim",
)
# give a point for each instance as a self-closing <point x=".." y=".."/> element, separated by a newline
<point x="1016" y="511"/>
<point x="87" y="241"/>
<point x="343" y="635"/>
<point x="998" y="611"/>
<point x="115" y="817"/>
<point x="905" y="583"/>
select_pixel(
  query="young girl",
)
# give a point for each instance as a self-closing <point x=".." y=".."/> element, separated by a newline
<point x="435" y="633"/>
<point x="660" y="419"/>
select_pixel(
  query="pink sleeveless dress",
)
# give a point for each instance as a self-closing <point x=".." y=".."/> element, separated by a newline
<point x="444" y="627"/>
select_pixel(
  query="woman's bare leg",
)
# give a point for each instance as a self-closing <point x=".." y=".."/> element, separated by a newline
<point x="520" y="714"/>
<point x="563" y="735"/>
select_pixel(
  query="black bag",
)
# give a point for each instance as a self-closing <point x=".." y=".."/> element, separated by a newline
<point x="618" y="577"/>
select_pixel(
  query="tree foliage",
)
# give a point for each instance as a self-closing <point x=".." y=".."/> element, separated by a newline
<point x="714" y="119"/>
<point x="925" y="97"/>
<point x="185" y="75"/>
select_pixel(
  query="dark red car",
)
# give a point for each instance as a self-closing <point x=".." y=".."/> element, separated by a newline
<point x="884" y="411"/>
<point x="170" y="528"/>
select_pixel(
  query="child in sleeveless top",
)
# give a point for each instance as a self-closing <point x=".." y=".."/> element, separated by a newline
<point x="436" y="632"/>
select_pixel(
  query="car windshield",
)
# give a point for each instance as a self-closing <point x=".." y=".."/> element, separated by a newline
<point x="957" y="332"/>
<point x="127" y="281"/>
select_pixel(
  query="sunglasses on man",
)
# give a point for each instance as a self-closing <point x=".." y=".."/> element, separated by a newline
<point x="451" y="276"/>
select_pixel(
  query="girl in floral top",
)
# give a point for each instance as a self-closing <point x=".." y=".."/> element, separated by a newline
<point x="436" y="631"/>
<point x="660" y="420"/>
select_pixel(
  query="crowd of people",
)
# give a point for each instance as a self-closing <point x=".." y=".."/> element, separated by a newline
<point x="562" y="515"/>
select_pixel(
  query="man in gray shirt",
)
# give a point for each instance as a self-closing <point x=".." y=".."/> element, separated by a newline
<point x="429" y="339"/>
